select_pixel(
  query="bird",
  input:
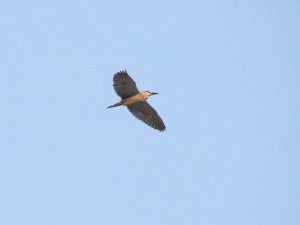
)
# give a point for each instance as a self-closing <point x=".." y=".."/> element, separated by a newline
<point x="135" y="101"/>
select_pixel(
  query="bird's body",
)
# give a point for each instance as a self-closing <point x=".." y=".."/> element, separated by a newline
<point x="140" y="97"/>
<point x="136" y="101"/>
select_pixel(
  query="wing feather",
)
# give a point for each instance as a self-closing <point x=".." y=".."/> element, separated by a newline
<point x="144" y="112"/>
<point x="124" y="85"/>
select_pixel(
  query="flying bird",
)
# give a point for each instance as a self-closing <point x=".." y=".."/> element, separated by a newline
<point x="135" y="101"/>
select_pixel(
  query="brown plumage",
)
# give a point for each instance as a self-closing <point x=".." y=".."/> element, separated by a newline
<point x="135" y="101"/>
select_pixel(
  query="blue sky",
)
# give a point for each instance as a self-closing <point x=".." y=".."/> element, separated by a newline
<point x="228" y="77"/>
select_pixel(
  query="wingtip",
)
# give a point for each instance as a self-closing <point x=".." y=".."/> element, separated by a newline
<point x="122" y="71"/>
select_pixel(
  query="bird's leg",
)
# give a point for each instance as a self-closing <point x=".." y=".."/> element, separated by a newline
<point x="115" y="105"/>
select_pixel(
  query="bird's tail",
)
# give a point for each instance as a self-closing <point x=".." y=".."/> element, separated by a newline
<point x="115" y="105"/>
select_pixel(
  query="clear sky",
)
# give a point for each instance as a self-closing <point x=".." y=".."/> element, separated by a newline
<point x="228" y="74"/>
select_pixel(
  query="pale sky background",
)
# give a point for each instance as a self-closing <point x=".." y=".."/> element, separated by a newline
<point x="228" y="74"/>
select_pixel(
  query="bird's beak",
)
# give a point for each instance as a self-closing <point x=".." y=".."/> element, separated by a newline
<point x="154" y="93"/>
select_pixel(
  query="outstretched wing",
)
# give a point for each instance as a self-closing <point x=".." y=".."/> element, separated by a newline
<point x="144" y="112"/>
<point x="124" y="85"/>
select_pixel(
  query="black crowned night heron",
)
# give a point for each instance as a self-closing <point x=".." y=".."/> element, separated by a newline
<point x="135" y="101"/>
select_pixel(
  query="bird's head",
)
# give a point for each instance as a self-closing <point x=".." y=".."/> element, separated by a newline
<point x="149" y="93"/>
